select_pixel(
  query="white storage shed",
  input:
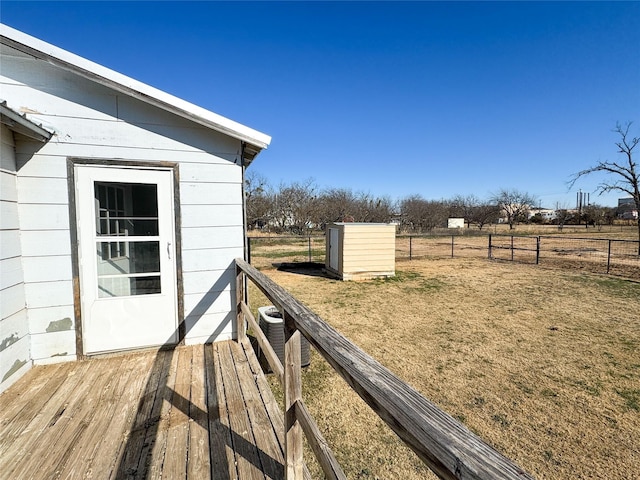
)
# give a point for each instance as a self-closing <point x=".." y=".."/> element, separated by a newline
<point x="359" y="251"/>
<point x="122" y="210"/>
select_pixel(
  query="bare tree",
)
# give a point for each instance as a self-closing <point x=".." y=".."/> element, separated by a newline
<point x="373" y="209"/>
<point x="595" y="215"/>
<point x="423" y="215"/>
<point x="475" y="211"/>
<point x="562" y="217"/>
<point x="514" y="204"/>
<point x="624" y="174"/>
<point x="335" y="205"/>
<point x="338" y="204"/>
<point x="462" y="206"/>
<point x="295" y="206"/>
<point x="259" y="198"/>
<point x="483" y="214"/>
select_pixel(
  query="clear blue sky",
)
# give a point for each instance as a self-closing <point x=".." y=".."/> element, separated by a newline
<point x="393" y="99"/>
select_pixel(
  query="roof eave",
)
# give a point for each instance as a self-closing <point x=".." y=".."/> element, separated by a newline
<point x="133" y="88"/>
<point x="22" y="125"/>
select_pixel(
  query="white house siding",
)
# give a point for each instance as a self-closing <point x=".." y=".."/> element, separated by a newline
<point x="15" y="357"/>
<point x="212" y="236"/>
<point x="93" y="121"/>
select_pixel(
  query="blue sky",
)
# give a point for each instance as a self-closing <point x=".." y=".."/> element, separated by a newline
<point x="393" y="99"/>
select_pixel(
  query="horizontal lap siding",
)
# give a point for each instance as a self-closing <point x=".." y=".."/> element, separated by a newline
<point x="368" y="249"/>
<point x="46" y="246"/>
<point x="363" y="264"/>
<point x="15" y="361"/>
<point x="212" y="237"/>
<point x="201" y="331"/>
<point x="15" y="354"/>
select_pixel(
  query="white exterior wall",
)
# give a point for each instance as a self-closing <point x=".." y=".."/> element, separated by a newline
<point x="15" y="355"/>
<point x="92" y="121"/>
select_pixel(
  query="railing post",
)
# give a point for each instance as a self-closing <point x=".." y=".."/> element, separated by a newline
<point x="240" y="321"/>
<point x="294" y="462"/>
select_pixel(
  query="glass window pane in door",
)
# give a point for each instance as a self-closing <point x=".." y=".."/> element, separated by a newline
<point x="122" y="258"/>
<point x="128" y="286"/>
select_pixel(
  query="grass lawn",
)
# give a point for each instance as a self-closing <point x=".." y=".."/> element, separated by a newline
<point x="542" y="364"/>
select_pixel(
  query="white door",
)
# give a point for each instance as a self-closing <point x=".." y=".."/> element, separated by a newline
<point x="127" y="266"/>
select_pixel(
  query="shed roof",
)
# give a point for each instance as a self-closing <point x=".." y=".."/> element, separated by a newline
<point x="254" y="140"/>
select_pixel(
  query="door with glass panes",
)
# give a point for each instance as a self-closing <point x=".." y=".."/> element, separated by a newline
<point x="128" y="291"/>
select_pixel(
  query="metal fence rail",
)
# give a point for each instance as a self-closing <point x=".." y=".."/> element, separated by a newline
<point x="599" y="255"/>
<point x="596" y="255"/>
<point x="515" y="249"/>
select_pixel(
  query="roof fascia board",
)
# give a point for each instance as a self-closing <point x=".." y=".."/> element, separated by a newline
<point x="22" y="125"/>
<point x="121" y="83"/>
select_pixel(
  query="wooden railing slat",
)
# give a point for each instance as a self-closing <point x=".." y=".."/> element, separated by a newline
<point x="240" y="325"/>
<point x="318" y="444"/>
<point x="292" y="394"/>
<point x="268" y="351"/>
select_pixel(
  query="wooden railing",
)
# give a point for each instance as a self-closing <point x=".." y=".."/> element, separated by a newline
<point x="446" y="446"/>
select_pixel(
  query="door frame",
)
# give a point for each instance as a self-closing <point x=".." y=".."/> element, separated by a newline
<point x="173" y="167"/>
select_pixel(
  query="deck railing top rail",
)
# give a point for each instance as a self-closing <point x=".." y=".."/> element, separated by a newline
<point x="444" y="444"/>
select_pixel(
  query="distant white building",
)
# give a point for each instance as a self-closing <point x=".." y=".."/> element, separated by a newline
<point x="627" y="209"/>
<point x="547" y="214"/>
<point x="455" y="223"/>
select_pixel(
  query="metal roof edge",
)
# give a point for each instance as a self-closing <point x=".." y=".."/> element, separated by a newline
<point x="127" y="85"/>
<point x="19" y="123"/>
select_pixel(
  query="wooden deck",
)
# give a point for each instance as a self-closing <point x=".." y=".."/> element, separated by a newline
<point x="194" y="412"/>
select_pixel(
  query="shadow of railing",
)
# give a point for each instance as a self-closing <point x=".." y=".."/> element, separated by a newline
<point x="137" y="456"/>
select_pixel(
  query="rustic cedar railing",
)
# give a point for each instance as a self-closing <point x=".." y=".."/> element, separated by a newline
<point x="447" y="447"/>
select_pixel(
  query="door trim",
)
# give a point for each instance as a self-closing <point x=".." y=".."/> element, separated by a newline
<point x="72" y="162"/>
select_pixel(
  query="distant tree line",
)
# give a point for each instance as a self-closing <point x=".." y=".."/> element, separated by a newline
<point x="301" y="207"/>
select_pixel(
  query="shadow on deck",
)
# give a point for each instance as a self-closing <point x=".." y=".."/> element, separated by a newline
<point x="203" y="411"/>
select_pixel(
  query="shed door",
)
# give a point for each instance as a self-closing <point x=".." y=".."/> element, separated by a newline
<point x="334" y="235"/>
<point x="126" y="258"/>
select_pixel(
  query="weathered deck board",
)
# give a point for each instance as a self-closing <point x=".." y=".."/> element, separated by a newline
<point x="18" y="413"/>
<point x="194" y="412"/>
<point x="247" y="458"/>
<point x="33" y="444"/>
<point x="199" y="462"/>
<point x="87" y="455"/>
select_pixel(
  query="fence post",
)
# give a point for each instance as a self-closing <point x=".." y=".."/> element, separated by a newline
<point x="248" y="249"/>
<point x="512" y="248"/>
<point x="410" y="251"/>
<point x="294" y="463"/>
<point x="489" y="246"/>
<point x="309" y="248"/>
<point x="537" y="250"/>
<point x="240" y="321"/>
<point x="609" y="256"/>
<point x="452" y="239"/>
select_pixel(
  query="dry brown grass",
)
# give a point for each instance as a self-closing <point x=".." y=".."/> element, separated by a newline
<point x="544" y="365"/>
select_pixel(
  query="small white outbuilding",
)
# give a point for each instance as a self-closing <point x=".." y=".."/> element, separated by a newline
<point x="359" y="251"/>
